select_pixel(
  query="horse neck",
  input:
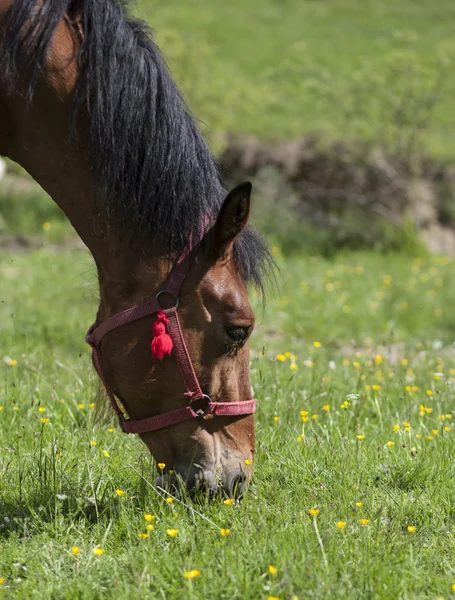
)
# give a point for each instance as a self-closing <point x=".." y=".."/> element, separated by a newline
<point x="37" y="136"/>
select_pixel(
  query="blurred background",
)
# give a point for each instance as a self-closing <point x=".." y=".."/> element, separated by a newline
<point x="340" y="111"/>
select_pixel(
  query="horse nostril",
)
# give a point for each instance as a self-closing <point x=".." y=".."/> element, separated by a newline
<point x="238" y="486"/>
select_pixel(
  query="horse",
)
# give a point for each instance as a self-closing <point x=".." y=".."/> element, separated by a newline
<point x="88" y="107"/>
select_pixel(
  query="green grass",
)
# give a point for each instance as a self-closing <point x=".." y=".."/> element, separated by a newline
<point x="58" y="491"/>
<point x="255" y="67"/>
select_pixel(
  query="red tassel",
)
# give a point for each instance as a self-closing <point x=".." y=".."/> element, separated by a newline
<point x="162" y="342"/>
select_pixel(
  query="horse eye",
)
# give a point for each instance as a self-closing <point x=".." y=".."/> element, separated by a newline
<point x="239" y="334"/>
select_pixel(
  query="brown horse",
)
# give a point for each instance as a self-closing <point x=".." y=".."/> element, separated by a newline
<point x="89" y="109"/>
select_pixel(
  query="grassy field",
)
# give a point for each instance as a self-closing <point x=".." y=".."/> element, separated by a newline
<point x="280" y="68"/>
<point x="361" y="344"/>
<point x="352" y="359"/>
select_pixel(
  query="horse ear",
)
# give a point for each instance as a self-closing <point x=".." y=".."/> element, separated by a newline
<point x="232" y="218"/>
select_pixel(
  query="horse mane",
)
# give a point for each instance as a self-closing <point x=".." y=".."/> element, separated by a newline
<point x="147" y="154"/>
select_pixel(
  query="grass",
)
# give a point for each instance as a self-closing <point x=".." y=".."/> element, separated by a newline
<point x="255" y="67"/>
<point x="378" y="322"/>
<point x="361" y="343"/>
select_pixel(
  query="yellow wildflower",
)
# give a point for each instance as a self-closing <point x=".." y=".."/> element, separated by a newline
<point x="364" y="521"/>
<point x="46" y="226"/>
<point x="396" y="427"/>
<point x="81" y="406"/>
<point x="169" y="500"/>
<point x="41" y="409"/>
<point x="341" y="524"/>
<point x="150" y="527"/>
<point x="429" y="393"/>
<point x="2" y="580"/>
<point x="412" y="529"/>
<point x="142" y="536"/>
<point x="390" y="444"/>
<point x="435" y="431"/>
<point x="280" y="357"/>
<point x="92" y="405"/>
<point x="120" y="492"/>
<point x="317" y="344"/>
<point x="98" y="551"/>
<point x="293" y="367"/>
<point x="300" y="439"/>
<point x="360" y="437"/>
<point x="192" y="574"/>
<point x="248" y="461"/>
<point x="225" y="532"/>
<point x="359" y="504"/>
<point x="75" y="550"/>
<point x="229" y="501"/>
<point x="378" y="359"/>
<point x="106" y="454"/>
<point x="44" y="420"/>
<point x="92" y="443"/>
<point x="326" y="407"/>
<point x="172" y="532"/>
<point x="447" y="428"/>
<point x="148" y="517"/>
<point x="161" y="465"/>
<point x="273" y="570"/>
<point x="376" y="388"/>
<point x="313" y="512"/>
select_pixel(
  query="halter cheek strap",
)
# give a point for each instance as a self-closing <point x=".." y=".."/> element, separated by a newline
<point x="193" y="389"/>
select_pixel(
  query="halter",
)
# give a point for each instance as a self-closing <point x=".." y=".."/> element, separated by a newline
<point x="193" y="389"/>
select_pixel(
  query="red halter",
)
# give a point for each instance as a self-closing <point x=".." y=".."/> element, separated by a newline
<point x="193" y="389"/>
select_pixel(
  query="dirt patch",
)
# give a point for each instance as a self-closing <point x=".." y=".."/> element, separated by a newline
<point x="336" y="181"/>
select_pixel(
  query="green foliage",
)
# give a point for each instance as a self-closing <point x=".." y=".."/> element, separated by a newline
<point x="378" y="323"/>
<point x="280" y="69"/>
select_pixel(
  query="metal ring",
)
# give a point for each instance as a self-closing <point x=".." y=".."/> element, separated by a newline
<point x="202" y="412"/>
<point x="176" y="305"/>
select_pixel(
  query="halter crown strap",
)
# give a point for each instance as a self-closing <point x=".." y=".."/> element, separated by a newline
<point x="193" y="389"/>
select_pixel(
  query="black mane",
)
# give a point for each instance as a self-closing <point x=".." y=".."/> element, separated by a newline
<point x="148" y="156"/>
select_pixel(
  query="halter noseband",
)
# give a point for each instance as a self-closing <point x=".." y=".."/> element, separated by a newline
<point x="193" y="389"/>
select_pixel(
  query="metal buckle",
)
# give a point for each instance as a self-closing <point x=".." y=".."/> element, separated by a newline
<point x="176" y="305"/>
<point x="201" y="405"/>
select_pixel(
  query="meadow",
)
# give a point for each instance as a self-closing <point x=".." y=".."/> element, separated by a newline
<point x="352" y="358"/>
<point x="353" y="491"/>
<point x="344" y="68"/>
